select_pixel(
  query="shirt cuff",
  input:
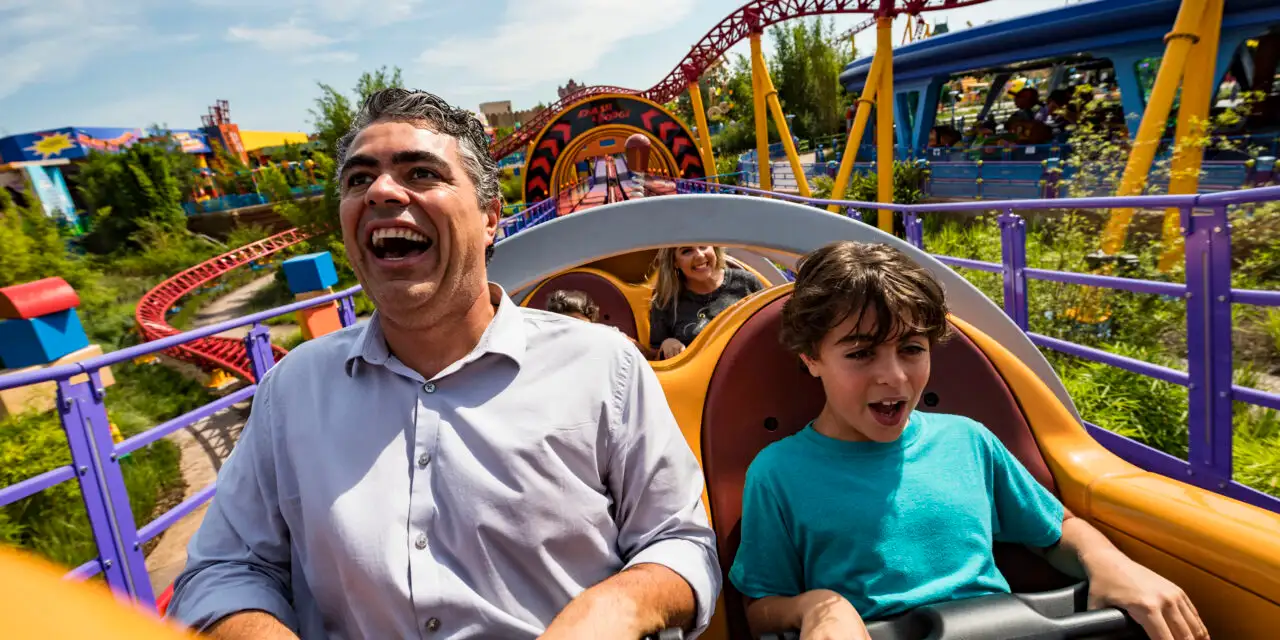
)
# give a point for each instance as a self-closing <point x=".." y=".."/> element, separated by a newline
<point x="199" y="606"/>
<point x="693" y="562"/>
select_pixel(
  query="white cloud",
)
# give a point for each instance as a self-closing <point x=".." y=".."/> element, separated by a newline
<point x="557" y="39"/>
<point x="286" y="37"/>
<point x="50" y="40"/>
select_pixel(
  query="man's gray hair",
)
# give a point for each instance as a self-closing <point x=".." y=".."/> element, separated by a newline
<point x="415" y="107"/>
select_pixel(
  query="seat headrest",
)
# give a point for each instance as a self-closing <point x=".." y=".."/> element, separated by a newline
<point x="760" y="393"/>
<point x="615" y="310"/>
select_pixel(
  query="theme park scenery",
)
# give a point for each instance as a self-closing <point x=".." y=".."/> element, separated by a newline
<point x="1105" y="226"/>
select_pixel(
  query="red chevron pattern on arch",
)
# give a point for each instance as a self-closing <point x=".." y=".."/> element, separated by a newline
<point x="751" y="17"/>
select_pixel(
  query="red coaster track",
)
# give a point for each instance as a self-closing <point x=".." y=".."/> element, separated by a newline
<point x="213" y="352"/>
<point x="750" y="17"/>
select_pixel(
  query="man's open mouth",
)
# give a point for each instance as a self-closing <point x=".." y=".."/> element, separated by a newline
<point x="398" y="243"/>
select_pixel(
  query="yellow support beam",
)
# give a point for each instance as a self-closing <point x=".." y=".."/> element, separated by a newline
<point x="1186" y="32"/>
<point x="884" y="130"/>
<point x="780" y="120"/>
<point x="762" y="122"/>
<point x="704" y="134"/>
<point x="862" y="116"/>
<point x="1198" y="85"/>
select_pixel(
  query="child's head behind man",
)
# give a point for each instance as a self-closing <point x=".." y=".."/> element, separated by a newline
<point x="863" y="318"/>
<point x="573" y="303"/>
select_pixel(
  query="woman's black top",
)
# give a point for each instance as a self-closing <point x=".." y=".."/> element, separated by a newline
<point x="693" y="311"/>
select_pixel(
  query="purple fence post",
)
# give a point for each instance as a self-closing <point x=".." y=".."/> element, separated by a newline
<point x="258" y="345"/>
<point x="347" y="311"/>
<point x="915" y="229"/>
<point x="1013" y="247"/>
<point x="84" y="419"/>
<point x="1209" y="356"/>
<point x="853" y="212"/>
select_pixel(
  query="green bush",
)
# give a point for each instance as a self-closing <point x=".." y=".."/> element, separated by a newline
<point x="512" y="186"/>
<point x="53" y="522"/>
<point x="1145" y="327"/>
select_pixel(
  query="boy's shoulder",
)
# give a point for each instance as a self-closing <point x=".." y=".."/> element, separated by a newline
<point x="779" y="454"/>
<point x="952" y="427"/>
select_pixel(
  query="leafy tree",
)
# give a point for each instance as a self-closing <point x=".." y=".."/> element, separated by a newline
<point x="141" y="184"/>
<point x="806" y="69"/>
<point x="334" y="111"/>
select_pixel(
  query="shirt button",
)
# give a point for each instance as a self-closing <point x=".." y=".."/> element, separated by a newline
<point x="423" y="460"/>
<point x="429" y="387"/>
<point x="433" y="624"/>
<point x="421" y="542"/>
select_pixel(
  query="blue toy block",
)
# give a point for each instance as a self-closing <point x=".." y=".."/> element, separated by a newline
<point x="37" y="341"/>
<point x="311" y="272"/>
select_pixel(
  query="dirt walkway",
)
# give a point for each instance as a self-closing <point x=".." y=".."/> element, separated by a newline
<point x="206" y="444"/>
<point x="233" y="305"/>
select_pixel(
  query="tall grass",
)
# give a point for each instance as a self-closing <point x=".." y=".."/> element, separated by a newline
<point x="1144" y="327"/>
<point x="53" y="522"/>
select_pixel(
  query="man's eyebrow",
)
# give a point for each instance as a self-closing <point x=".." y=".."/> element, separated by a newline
<point x="415" y="156"/>
<point x="358" y="161"/>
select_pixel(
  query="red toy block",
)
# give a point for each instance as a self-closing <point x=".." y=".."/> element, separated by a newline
<point x="37" y="298"/>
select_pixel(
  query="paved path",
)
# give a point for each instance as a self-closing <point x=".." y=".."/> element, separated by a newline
<point x="206" y="444"/>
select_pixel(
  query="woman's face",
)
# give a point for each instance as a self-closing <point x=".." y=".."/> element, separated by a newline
<point x="697" y="263"/>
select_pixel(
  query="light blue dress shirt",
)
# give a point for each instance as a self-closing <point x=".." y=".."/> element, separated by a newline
<point x="363" y="501"/>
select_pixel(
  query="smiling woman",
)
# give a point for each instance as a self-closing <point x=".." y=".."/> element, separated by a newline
<point x="695" y="284"/>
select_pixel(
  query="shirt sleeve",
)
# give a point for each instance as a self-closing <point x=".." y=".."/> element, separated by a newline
<point x="658" y="327"/>
<point x="1025" y="512"/>
<point x="239" y="559"/>
<point x="657" y="486"/>
<point x="767" y="563"/>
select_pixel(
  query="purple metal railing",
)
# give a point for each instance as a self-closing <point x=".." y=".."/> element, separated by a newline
<point x="95" y="458"/>
<point x="1207" y="293"/>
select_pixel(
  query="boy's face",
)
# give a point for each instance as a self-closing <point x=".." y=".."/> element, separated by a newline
<point x="871" y="389"/>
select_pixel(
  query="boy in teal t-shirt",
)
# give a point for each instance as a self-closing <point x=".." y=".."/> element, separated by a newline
<point x="873" y="508"/>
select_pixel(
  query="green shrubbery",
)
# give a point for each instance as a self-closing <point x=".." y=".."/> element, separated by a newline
<point x="138" y="252"/>
<point x="53" y="522"/>
<point x="1145" y="327"/>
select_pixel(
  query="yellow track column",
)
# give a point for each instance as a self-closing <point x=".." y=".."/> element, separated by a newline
<point x="1178" y="46"/>
<point x="860" y="118"/>
<point x="884" y="125"/>
<point x="1198" y="87"/>
<point x="704" y="134"/>
<point x="780" y="120"/>
<point x="762" y="118"/>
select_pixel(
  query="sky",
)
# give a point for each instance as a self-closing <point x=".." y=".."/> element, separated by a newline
<point x="133" y="63"/>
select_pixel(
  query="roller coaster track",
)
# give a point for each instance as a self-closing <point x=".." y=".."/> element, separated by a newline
<point x="212" y="352"/>
<point x="752" y="17"/>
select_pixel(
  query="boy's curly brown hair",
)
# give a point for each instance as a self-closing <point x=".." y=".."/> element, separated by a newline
<point x="847" y="278"/>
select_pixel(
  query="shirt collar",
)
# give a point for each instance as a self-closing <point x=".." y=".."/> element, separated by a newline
<point x="504" y="336"/>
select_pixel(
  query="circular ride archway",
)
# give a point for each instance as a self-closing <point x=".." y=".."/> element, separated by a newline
<point x="552" y="146"/>
<point x="609" y="139"/>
